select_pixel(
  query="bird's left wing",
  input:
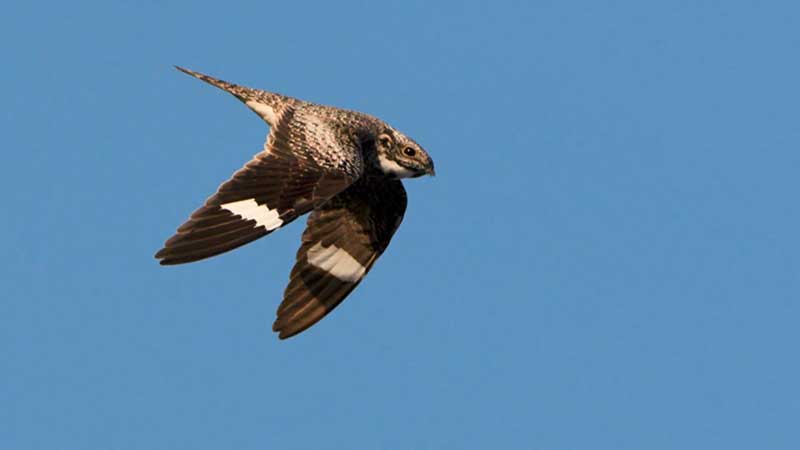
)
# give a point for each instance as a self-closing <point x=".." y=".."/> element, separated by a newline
<point x="289" y="178"/>
<point x="305" y="162"/>
<point x="343" y="239"/>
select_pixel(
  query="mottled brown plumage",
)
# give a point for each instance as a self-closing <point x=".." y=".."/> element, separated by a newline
<point x="342" y="165"/>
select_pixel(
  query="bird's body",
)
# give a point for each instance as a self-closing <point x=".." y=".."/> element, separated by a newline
<point x="342" y="166"/>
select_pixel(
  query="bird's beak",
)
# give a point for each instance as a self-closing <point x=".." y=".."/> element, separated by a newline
<point x="430" y="171"/>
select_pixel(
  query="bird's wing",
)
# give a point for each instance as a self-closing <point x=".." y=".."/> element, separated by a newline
<point x="343" y="239"/>
<point x="304" y="163"/>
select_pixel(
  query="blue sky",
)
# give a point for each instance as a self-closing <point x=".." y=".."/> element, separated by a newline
<point x="607" y="258"/>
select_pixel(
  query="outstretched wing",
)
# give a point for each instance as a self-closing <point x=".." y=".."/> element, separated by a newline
<point x="304" y="163"/>
<point x="343" y="239"/>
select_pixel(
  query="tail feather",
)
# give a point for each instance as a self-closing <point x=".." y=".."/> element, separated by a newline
<point x="265" y="104"/>
<point x="239" y="92"/>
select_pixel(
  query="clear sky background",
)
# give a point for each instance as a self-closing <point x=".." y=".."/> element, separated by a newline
<point x="608" y="257"/>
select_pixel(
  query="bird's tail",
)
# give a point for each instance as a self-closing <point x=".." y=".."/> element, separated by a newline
<point x="265" y="104"/>
<point x="239" y="92"/>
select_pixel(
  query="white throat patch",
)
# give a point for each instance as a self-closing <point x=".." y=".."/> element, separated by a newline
<point x="250" y="210"/>
<point x="336" y="262"/>
<point x="390" y="167"/>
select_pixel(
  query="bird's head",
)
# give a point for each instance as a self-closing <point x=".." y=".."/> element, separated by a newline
<point x="401" y="157"/>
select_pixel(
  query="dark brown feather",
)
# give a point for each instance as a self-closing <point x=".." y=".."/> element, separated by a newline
<point x="359" y="221"/>
<point x="284" y="177"/>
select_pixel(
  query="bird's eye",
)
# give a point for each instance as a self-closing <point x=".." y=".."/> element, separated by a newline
<point x="409" y="151"/>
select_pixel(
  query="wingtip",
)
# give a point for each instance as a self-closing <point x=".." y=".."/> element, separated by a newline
<point x="283" y="335"/>
<point x="163" y="259"/>
<point x="160" y="254"/>
<point x="284" y="332"/>
<point x="277" y="327"/>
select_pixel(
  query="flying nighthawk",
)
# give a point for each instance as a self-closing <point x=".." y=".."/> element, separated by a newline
<point x="342" y="166"/>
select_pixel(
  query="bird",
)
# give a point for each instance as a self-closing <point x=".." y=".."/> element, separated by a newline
<point x="343" y="167"/>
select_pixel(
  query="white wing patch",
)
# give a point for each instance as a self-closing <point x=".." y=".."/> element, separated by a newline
<point x="336" y="262"/>
<point x="390" y="167"/>
<point x="250" y="210"/>
<point x="265" y="111"/>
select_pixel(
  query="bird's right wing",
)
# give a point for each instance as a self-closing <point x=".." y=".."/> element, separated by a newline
<point x="343" y="239"/>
